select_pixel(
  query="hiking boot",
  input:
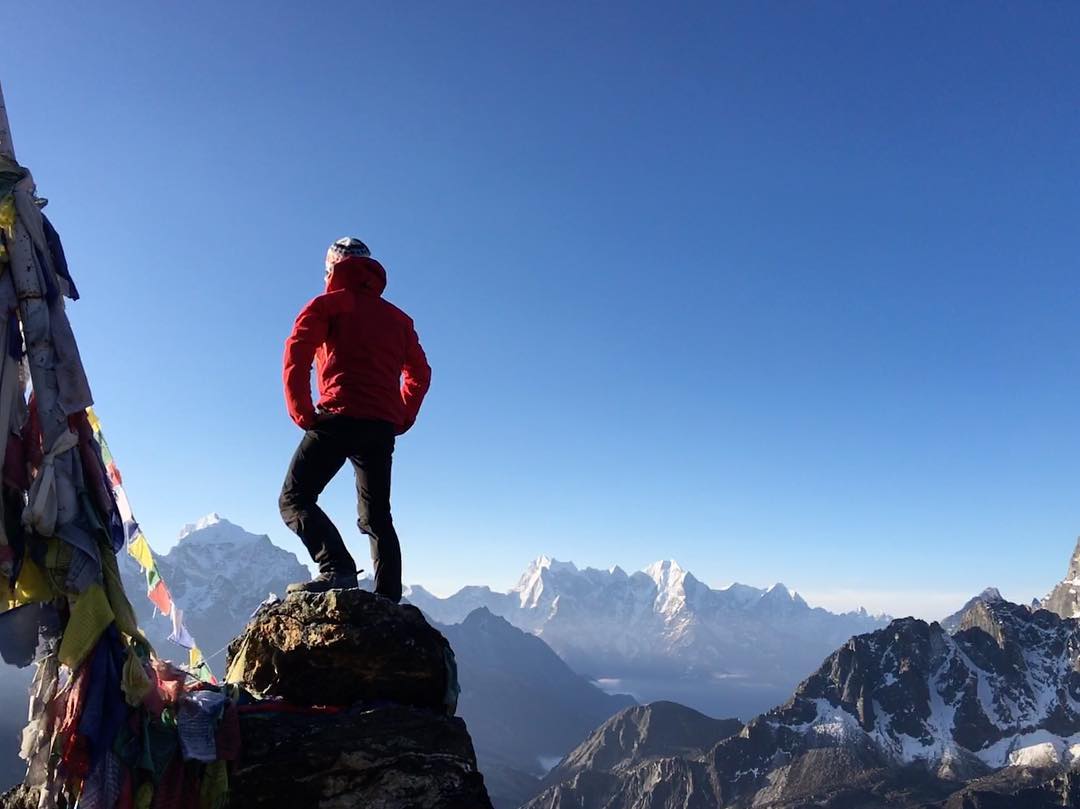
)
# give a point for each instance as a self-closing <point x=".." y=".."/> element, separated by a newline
<point x="325" y="582"/>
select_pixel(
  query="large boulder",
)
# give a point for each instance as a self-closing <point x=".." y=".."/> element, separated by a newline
<point x="344" y="647"/>
<point x="393" y="757"/>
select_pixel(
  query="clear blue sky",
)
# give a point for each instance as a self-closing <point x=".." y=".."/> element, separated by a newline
<point x="785" y="291"/>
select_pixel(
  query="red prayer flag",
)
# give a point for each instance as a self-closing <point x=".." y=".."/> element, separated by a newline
<point x="159" y="594"/>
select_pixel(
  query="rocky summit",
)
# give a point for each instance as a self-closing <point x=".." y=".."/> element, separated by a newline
<point x="392" y="743"/>
<point x="344" y="647"/>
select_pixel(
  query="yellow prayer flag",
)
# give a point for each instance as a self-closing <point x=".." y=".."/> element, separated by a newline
<point x="90" y="616"/>
<point x="145" y="796"/>
<point x="139" y="550"/>
<point x="194" y="657"/>
<point x="91" y="417"/>
<point x="134" y="680"/>
<point x="32" y="584"/>
<point x="214" y="790"/>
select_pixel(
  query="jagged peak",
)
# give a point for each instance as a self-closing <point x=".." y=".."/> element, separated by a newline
<point x="999" y="618"/>
<point x="201" y="524"/>
<point x="214" y="529"/>
<point x="482" y="616"/>
<point x="671" y="580"/>
<point x="545" y="562"/>
<point x="1074" y="562"/>
<point x="665" y="573"/>
<point x="530" y="586"/>
<point x="742" y="593"/>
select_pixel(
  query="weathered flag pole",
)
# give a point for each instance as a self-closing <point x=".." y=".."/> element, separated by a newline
<point x="34" y="313"/>
<point x="7" y="149"/>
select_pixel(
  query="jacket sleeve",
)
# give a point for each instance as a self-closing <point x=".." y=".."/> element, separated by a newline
<point x="415" y="377"/>
<point x="309" y="332"/>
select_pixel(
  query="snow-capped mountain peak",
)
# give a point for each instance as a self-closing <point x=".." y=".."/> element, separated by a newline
<point x="209" y="521"/>
<point x="670" y="579"/>
<point x="217" y="574"/>
<point x="531" y="586"/>
<point x="544" y="562"/>
<point x="666" y="573"/>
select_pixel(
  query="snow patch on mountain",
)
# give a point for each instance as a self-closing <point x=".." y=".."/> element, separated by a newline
<point x="1040" y="748"/>
<point x="209" y="521"/>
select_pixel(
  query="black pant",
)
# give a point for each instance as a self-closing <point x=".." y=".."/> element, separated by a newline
<point x="369" y="445"/>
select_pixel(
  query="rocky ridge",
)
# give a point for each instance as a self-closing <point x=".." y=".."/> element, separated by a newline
<point x="904" y="716"/>
<point x="952" y="622"/>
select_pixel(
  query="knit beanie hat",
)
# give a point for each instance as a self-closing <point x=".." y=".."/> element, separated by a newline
<point x="344" y="248"/>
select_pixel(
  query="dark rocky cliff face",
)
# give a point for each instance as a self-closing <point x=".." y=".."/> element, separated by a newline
<point x="351" y="703"/>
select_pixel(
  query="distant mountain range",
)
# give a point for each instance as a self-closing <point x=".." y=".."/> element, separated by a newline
<point x="905" y="716"/>
<point x="662" y="634"/>
<point x="658" y="634"/>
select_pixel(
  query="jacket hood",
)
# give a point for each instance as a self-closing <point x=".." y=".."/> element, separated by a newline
<point x="357" y="274"/>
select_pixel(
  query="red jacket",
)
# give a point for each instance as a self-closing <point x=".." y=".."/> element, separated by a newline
<point x="367" y="356"/>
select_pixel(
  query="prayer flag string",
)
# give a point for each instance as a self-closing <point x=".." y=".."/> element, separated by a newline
<point x="138" y="548"/>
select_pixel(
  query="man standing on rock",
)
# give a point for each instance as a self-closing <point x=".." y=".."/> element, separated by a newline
<point x="372" y="377"/>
